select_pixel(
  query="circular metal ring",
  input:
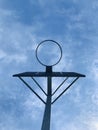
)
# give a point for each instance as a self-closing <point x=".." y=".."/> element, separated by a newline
<point x="41" y="45"/>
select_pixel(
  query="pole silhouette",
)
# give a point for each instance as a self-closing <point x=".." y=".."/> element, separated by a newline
<point x="49" y="74"/>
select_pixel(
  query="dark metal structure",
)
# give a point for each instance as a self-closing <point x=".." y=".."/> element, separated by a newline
<point x="49" y="74"/>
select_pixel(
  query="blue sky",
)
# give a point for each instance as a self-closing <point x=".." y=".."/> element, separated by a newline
<point x="74" y="25"/>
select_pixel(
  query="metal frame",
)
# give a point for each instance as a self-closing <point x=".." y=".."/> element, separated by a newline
<point x="48" y="74"/>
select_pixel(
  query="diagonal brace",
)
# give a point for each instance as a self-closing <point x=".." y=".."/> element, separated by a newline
<point x="65" y="90"/>
<point x="39" y="85"/>
<point x="31" y="89"/>
<point x="59" y="86"/>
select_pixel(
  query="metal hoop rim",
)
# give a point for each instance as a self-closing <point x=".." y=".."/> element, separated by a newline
<point x="41" y="44"/>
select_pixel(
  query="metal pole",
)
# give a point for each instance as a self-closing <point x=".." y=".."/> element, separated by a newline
<point x="47" y="112"/>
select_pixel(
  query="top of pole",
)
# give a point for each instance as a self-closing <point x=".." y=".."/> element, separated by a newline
<point x="47" y="49"/>
<point x="48" y="54"/>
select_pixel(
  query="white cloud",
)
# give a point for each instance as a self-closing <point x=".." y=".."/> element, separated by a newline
<point x="94" y="69"/>
<point x="75" y="95"/>
<point x="82" y="121"/>
<point x="92" y="124"/>
<point x="8" y="58"/>
<point x="7" y="17"/>
<point x="2" y="54"/>
<point x="33" y="106"/>
<point x="65" y="64"/>
<point x="95" y="97"/>
<point x="15" y="38"/>
<point x="69" y="126"/>
<point x="9" y="123"/>
<point x="17" y="58"/>
<point x="15" y="35"/>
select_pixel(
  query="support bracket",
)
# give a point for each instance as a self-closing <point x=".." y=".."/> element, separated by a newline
<point x="31" y="89"/>
<point x="64" y="90"/>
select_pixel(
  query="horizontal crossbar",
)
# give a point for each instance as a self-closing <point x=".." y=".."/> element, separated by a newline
<point x="52" y="74"/>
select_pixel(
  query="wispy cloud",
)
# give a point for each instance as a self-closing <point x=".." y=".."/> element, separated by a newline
<point x="2" y="54"/>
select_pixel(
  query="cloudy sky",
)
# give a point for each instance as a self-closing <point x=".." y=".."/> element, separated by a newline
<point x="74" y="25"/>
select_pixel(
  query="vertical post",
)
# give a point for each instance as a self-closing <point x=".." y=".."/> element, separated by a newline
<point x="47" y="112"/>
